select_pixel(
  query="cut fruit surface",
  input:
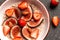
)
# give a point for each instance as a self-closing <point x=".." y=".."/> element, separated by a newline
<point x="9" y="12"/>
<point x="10" y="22"/>
<point x="17" y="12"/>
<point x="34" y="23"/>
<point x="26" y="32"/>
<point x="28" y="11"/>
<point x="23" y="5"/>
<point x="18" y="38"/>
<point x="35" y="33"/>
<point x="15" y="31"/>
<point x="37" y="16"/>
<point x="29" y="33"/>
<point x="6" y="30"/>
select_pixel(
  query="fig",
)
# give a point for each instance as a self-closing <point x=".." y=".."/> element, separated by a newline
<point x="27" y="13"/>
<point x="29" y="33"/>
<point x="15" y="31"/>
<point x="17" y="13"/>
<point x="13" y="12"/>
<point x="10" y="22"/>
<point x="34" y="23"/>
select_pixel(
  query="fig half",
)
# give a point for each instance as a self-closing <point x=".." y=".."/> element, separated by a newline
<point x="30" y="34"/>
<point x="15" y="31"/>
<point x="17" y="13"/>
<point x="34" y="23"/>
<point x="10" y="22"/>
<point x="27" y="13"/>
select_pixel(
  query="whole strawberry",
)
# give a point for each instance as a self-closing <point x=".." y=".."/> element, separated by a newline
<point x="55" y="20"/>
<point x="54" y="2"/>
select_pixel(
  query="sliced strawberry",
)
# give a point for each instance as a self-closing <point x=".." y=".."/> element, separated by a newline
<point x="6" y="30"/>
<point x="35" y="33"/>
<point x="23" y="5"/>
<point x="55" y="20"/>
<point x="37" y="15"/>
<point x="17" y="38"/>
<point x="25" y="12"/>
<point x="9" y="12"/>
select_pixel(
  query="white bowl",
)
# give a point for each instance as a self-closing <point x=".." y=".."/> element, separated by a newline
<point x="44" y="28"/>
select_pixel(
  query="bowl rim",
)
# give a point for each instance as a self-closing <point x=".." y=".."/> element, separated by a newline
<point x="46" y="13"/>
<point x="48" y="19"/>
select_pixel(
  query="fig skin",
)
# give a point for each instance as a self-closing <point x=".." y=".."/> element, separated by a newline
<point x="17" y="13"/>
<point x="15" y="31"/>
<point x="27" y="32"/>
<point x="9" y="22"/>
<point x="29" y="15"/>
<point x="34" y="23"/>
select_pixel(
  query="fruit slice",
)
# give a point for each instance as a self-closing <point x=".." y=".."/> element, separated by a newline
<point x="34" y="23"/>
<point x="23" y="5"/>
<point x="37" y="15"/>
<point x="55" y="20"/>
<point x="18" y="38"/>
<point x="6" y="30"/>
<point x="29" y="14"/>
<point x="10" y="22"/>
<point x="15" y="31"/>
<point x="13" y="12"/>
<point x="9" y="12"/>
<point x="35" y="33"/>
<point x="22" y="22"/>
<point x="17" y="12"/>
<point x="25" y="12"/>
<point x="28" y="33"/>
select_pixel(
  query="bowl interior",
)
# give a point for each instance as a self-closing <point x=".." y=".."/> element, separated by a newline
<point x="44" y="27"/>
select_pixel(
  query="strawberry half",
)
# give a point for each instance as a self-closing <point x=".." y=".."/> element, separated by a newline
<point x="23" y="5"/>
<point x="37" y="15"/>
<point x="9" y="12"/>
<point x="17" y="38"/>
<point x="34" y="33"/>
<point x="55" y="20"/>
<point x="6" y="30"/>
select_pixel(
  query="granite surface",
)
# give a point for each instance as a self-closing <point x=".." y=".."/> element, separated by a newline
<point x="54" y="33"/>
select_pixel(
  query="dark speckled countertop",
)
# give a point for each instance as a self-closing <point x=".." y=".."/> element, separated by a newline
<point x="54" y="33"/>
